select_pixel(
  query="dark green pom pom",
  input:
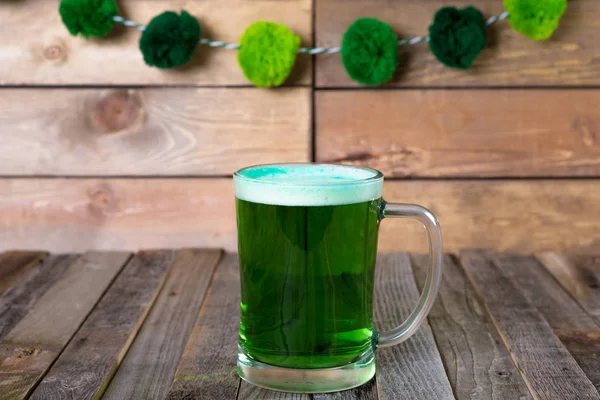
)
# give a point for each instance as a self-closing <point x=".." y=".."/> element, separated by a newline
<point x="88" y="17"/>
<point x="268" y="53"/>
<point x="170" y="39"/>
<point x="536" y="19"/>
<point x="370" y="51"/>
<point x="458" y="36"/>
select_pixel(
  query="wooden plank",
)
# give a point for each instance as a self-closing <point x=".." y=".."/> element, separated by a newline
<point x="31" y="347"/>
<point x="45" y="53"/>
<point x="250" y="392"/>
<point x="579" y="275"/>
<point x="75" y="214"/>
<point x="573" y="326"/>
<point x="13" y="264"/>
<point x="510" y="60"/>
<point x="92" y="357"/>
<point x="207" y="369"/>
<point x="151" y="132"/>
<point x="477" y="363"/>
<point x="461" y="133"/>
<point x="368" y="391"/>
<point x="150" y="364"/>
<point x="16" y="302"/>
<point x="413" y="369"/>
<point x="519" y="215"/>
<point x="546" y="365"/>
<point x="67" y="215"/>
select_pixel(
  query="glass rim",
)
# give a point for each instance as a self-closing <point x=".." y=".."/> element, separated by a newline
<point x="377" y="175"/>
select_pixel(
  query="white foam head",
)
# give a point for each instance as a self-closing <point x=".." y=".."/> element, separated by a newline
<point x="307" y="184"/>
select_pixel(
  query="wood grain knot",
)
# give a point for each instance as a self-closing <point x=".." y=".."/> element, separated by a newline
<point x="55" y="52"/>
<point x="102" y="201"/>
<point x="27" y="352"/>
<point x="586" y="128"/>
<point x="120" y="111"/>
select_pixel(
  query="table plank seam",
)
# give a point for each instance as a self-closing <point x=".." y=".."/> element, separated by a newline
<point x="139" y="376"/>
<point x="435" y="336"/>
<point x="500" y="333"/>
<point x="237" y="393"/>
<point x="542" y="259"/>
<point x="492" y="259"/>
<point x="137" y="330"/>
<point x="61" y="351"/>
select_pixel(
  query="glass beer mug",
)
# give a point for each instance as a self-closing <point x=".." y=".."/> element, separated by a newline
<point x="307" y="238"/>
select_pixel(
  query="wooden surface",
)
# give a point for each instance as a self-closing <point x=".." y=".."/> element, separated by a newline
<point x="550" y="371"/>
<point x="45" y="53"/>
<point x="116" y="214"/>
<point x="70" y="215"/>
<point x="207" y="367"/>
<point x="29" y="349"/>
<point x="580" y="275"/>
<point x="477" y="363"/>
<point x="165" y="327"/>
<point x="149" y="368"/>
<point x="368" y="391"/>
<point x="250" y="392"/>
<point x="571" y="324"/>
<point x="151" y="132"/>
<point x="416" y="364"/>
<point x="461" y="133"/>
<point x="16" y="302"/>
<point x="510" y="59"/>
<point x="15" y="263"/>
<point x="96" y="351"/>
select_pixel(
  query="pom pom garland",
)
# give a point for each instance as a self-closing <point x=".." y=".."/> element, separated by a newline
<point x="458" y="36"/>
<point x="169" y="40"/>
<point x="88" y="17"/>
<point x="268" y="53"/>
<point x="370" y="51"/>
<point x="536" y="19"/>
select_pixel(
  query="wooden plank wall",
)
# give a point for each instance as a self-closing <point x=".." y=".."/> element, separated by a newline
<point x="99" y="151"/>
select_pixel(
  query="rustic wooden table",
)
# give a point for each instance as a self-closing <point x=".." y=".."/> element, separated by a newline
<point x="163" y="324"/>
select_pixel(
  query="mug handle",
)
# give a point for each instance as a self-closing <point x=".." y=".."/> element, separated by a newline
<point x="434" y="275"/>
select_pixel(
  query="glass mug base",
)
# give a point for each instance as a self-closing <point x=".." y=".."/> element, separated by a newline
<point x="318" y="380"/>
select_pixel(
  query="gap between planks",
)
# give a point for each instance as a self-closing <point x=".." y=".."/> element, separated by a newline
<point x="149" y="366"/>
<point x="14" y="264"/>
<point x="478" y="364"/>
<point x="32" y="346"/>
<point x="92" y="357"/>
<point x="547" y="367"/>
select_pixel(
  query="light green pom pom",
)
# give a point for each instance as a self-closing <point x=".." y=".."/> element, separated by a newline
<point x="536" y="19"/>
<point x="268" y="53"/>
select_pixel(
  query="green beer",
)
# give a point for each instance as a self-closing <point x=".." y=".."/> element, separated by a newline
<point x="307" y="238"/>
<point x="307" y="282"/>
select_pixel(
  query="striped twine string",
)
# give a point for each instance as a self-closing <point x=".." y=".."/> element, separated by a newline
<point x="304" y="50"/>
<point x="222" y="45"/>
<point x="127" y="22"/>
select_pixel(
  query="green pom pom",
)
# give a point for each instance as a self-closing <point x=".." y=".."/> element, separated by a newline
<point x="536" y="19"/>
<point x="457" y="36"/>
<point x="268" y="53"/>
<point x="88" y="17"/>
<point x="170" y="39"/>
<point x="370" y="51"/>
